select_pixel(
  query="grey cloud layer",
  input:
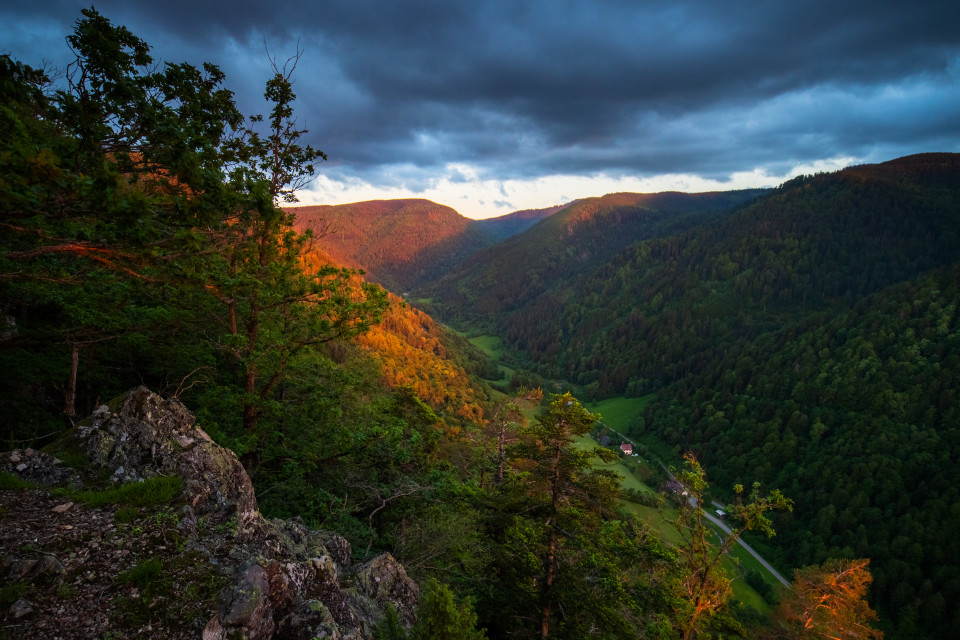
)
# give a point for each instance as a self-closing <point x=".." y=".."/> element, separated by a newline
<point x="521" y="89"/>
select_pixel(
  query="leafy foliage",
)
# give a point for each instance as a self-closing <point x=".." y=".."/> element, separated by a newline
<point x="827" y="601"/>
<point x="704" y="588"/>
<point x="439" y="617"/>
<point x="142" y="212"/>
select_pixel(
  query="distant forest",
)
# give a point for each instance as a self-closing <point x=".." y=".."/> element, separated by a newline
<point x="809" y="339"/>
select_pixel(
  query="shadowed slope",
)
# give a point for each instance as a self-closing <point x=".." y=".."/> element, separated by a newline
<point x="511" y="224"/>
<point x="572" y="241"/>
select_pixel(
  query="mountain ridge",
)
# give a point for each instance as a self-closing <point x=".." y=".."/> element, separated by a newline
<point x="398" y="242"/>
<point x="505" y="226"/>
<point x="490" y="282"/>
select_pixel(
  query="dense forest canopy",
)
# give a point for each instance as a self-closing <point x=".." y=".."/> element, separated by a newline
<point x="807" y="339"/>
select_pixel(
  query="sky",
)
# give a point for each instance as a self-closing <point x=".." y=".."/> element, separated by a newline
<point x="491" y="106"/>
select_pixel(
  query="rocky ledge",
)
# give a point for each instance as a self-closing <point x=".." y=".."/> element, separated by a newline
<point x="80" y="564"/>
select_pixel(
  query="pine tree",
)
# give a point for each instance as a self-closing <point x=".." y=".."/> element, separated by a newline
<point x="551" y="508"/>
<point x="138" y="191"/>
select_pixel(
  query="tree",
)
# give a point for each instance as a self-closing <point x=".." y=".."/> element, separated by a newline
<point x="275" y="306"/>
<point x="93" y="180"/>
<point x="439" y="617"/>
<point x="507" y="417"/>
<point x="704" y="588"/>
<point x="139" y="186"/>
<point x="558" y="504"/>
<point x="390" y="627"/>
<point x="827" y="601"/>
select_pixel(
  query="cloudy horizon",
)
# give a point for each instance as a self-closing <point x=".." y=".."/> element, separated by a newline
<point x="500" y="106"/>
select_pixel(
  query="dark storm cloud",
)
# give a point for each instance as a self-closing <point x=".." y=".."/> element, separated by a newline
<point x="521" y="89"/>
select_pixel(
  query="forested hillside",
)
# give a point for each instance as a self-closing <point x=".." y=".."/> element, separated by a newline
<point x="662" y="308"/>
<point x="573" y="241"/>
<point x="400" y="243"/>
<point x="807" y="339"/>
<point x="854" y="415"/>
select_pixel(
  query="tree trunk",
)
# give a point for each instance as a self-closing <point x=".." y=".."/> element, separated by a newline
<point x="232" y="317"/>
<point x="501" y="451"/>
<point x="250" y="377"/>
<point x="70" y="394"/>
<point x="249" y="408"/>
<point x="546" y="592"/>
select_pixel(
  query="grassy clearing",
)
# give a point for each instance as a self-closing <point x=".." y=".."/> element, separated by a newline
<point x="741" y="590"/>
<point x="490" y="345"/>
<point x="620" y="413"/>
<point x="630" y="481"/>
<point x="506" y="373"/>
<point x="747" y="562"/>
<point x="659" y="520"/>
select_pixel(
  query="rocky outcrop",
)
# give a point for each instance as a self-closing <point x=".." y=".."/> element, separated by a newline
<point x="37" y="467"/>
<point x="147" y="435"/>
<point x="282" y="579"/>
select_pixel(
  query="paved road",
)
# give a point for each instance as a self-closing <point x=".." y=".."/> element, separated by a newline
<point x="748" y="548"/>
<point x="722" y="525"/>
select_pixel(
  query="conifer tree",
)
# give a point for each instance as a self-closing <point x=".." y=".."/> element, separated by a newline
<point x="552" y="506"/>
<point x="139" y="187"/>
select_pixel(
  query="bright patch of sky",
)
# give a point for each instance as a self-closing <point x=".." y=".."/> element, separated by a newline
<point x="460" y="187"/>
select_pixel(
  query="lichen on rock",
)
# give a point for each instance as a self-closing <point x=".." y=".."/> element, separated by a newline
<point x="283" y="579"/>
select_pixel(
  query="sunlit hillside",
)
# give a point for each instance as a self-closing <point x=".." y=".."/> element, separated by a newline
<point x="400" y="243"/>
<point x="414" y="351"/>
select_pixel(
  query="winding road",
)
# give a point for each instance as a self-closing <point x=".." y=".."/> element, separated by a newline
<point x="720" y="523"/>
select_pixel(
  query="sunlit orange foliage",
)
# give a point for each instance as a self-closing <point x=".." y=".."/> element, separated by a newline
<point x="828" y="601"/>
<point x="409" y="347"/>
